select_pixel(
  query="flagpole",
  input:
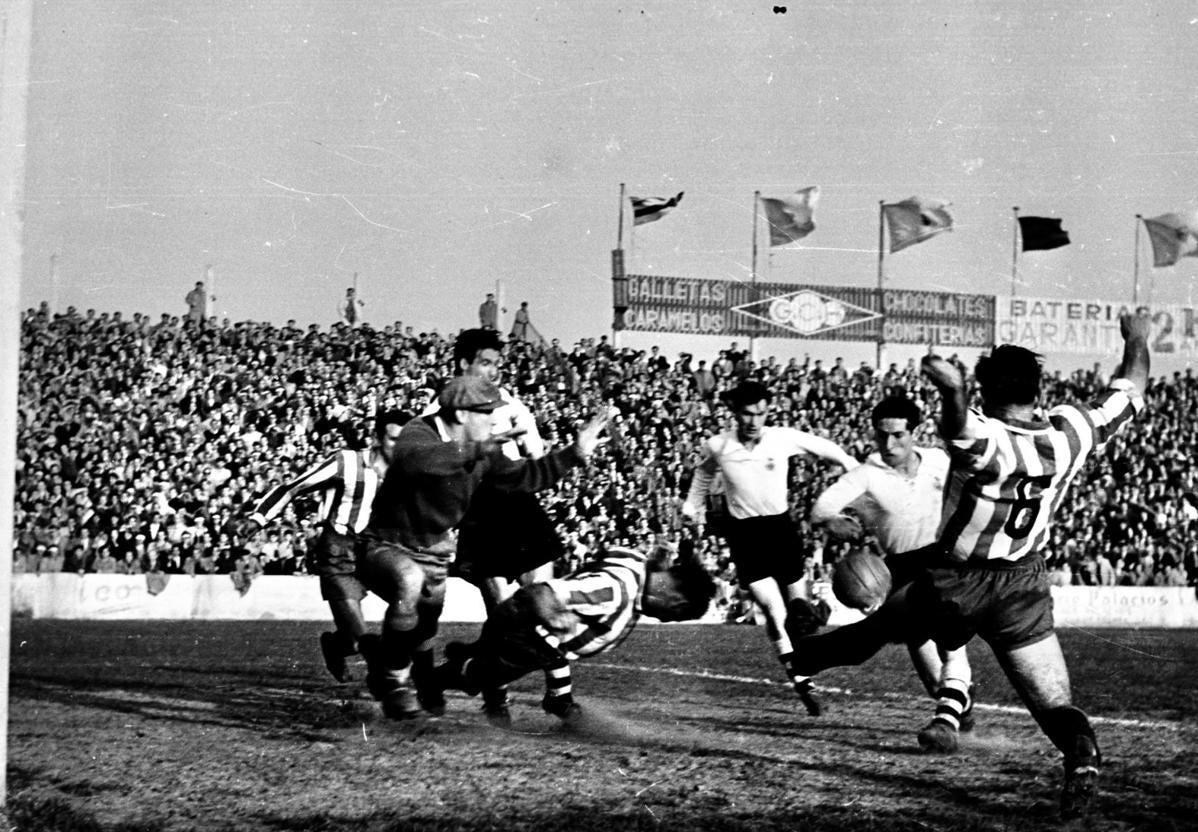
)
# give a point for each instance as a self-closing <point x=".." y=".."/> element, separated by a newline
<point x="1135" y="280"/>
<point x="753" y="274"/>
<point x="1014" y="250"/>
<point x="620" y="225"/>
<point x="881" y="248"/>
<point x="619" y="284"/>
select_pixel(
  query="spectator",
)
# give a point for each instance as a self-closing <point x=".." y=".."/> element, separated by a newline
<point x="488" y="312"/>
<point x="131" y="426"/>
<point x="197" y="303"/>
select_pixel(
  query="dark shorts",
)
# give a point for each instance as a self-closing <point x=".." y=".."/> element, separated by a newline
<point x="380" y="569"/>
<point x="513" y="641"/>
<point x="1007" y="603"/>
<point x="503" y="535"/>
<point x="765" y="547"/>
<point x="335" y="560"/>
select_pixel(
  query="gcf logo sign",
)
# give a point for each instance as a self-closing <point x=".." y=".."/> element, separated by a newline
<point x="807" y="312"/>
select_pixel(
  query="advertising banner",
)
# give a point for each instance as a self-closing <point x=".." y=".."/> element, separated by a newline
<point x="698" y="306"/>
<point x="1056" y="325"/>
<point x="939" y="318"/>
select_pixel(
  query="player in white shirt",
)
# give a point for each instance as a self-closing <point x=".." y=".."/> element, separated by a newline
<point x="898" y="494"/>
<point x="762" y="537"/>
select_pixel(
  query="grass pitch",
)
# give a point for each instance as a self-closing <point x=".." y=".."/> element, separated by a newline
<point x="235" y="726"/>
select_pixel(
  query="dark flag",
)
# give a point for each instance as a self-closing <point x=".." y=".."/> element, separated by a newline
<point x="1042" y="233"/>
<point x="652" y="208"/>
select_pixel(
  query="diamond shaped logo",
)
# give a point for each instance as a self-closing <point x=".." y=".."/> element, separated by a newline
<point x="807" y="312"/>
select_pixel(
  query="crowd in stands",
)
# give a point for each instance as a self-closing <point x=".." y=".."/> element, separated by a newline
<point x="141" y="441"/>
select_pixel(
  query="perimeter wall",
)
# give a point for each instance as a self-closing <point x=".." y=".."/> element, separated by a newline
<point x="214" y="597"/>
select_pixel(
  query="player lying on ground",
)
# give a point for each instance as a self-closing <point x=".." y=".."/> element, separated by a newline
<point x="897" y="494"/>
<point x="583" y="614"/>
<point x="985" y="576"/>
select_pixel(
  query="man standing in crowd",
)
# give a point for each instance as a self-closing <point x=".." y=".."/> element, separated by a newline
<point x="440" y="462"/>
<point x="522" y="329"/>
<point x="986" y="576"/>
<point x="488" y="313"/>
<point x="506" y="538"/>
<point x="348" y="481"/>
<point x="197" y="303"/>
<point x="586" y="613"/>
<point x="897" y="494"/>
<point x="762" y="537"/>
<point x="350" y="307"/>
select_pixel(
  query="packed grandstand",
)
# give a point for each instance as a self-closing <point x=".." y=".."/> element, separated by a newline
<point x="141" y="442"/>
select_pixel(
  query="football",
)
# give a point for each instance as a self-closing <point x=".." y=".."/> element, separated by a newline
<point x="861" y="580"/>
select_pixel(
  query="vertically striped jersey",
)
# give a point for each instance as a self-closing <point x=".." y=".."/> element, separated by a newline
<point x="349" y="483"/>
<point x="602" y="602"/>
<point x="1008" y="478"/>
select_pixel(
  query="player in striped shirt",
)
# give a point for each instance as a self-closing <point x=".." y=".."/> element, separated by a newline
<point x="762" y="537"/>
<point x="985" y="575"/>
<point x="584" y="614"/>
<point x="1009" y="474"/>
<point x="348" y="481"/>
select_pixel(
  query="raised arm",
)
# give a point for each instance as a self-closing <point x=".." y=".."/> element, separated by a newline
<point x="1135" y="329"/>
<point x="953" y="403"/>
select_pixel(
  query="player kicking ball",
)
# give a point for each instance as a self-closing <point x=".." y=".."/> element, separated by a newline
<point x="581" y="615"/>
<point x="986" y="575"/>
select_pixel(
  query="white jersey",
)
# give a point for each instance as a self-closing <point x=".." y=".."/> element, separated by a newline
<point x="513" y="414"/>
<point x="902" y="511"/>
<point x="755" y="478"/>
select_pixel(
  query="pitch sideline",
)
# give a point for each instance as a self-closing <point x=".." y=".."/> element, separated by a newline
<point x="980" y="706"/>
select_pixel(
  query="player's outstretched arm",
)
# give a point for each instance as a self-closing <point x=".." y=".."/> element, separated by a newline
<point x="829" y="450"/>
<point x="951" y="384"/>
<point x="1135" y="330"/>
<point x="829" y="512"/>
<point x="696" y="496"/>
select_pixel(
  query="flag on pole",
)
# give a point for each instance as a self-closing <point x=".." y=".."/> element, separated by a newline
<point x="1173" y="236"/>
<point x="1042" y="233"/>
<point x="792" y="217"/>
<point x="914" y="220"/>
<point x="652" y="208"/>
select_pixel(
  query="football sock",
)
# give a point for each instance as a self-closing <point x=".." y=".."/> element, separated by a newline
<point x="422" y="663"/>
<point x="787" y="662"/>
<point x="952" y="701"/>
<point x="558" y="681"/>
<point x="1070" y="730"/>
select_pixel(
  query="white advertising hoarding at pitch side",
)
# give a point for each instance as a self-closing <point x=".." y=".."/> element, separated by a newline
<point x="1090" y="327"/>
